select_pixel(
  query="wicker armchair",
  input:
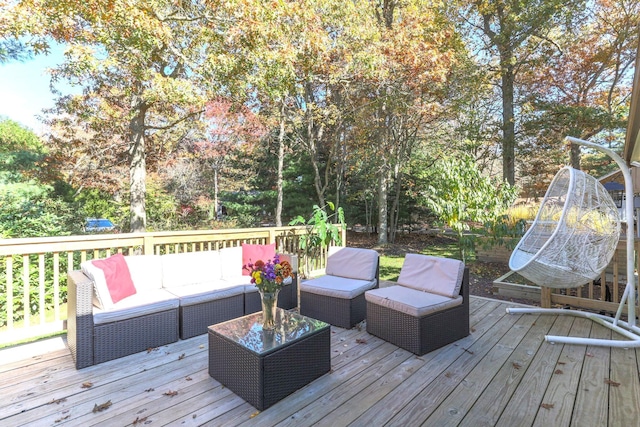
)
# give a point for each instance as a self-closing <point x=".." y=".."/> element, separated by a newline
<point x="428" y="309"/>
<point x="338" y="297"/>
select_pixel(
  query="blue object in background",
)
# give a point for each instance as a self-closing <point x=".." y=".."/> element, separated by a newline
<point x="98" y="224"/>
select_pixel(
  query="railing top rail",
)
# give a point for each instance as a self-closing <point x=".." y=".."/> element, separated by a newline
<point x="37" y="245"/>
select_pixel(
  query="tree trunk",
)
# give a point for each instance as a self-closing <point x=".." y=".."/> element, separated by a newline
<point x="280" y="167"/>
<point x="575" y="156"/>
<point x="383" y="223"/>
<point x="395" y="207"/>
<point x="508" y="124"/>
<point x="216" y="202"/>
<point x="137" y="172"/>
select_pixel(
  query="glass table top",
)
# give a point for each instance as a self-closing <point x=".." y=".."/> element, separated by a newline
<point x="247" y="331"/>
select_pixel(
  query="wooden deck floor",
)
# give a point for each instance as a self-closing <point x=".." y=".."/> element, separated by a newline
<point x="503" y="374"/>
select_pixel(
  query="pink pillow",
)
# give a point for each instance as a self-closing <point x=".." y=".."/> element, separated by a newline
<point x="253" y="253"/>
<point x="116" y="273"/>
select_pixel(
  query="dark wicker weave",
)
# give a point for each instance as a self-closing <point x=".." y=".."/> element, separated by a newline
<point x="341" y="312"/>
<point x="287" y="298"/>
<point x="421" y="335"/>
<point x="345" y="313"/>
<point x="263" y="380"/>
<point x="119" y="339"/>
<point x="91" y="344"/>
<point x="194" y="319"/>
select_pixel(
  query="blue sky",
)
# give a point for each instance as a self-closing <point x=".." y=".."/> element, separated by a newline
<point x="24" y="88"/>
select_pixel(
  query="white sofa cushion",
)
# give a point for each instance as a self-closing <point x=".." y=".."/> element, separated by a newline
<point x="149" y="302"/>
<point x="231" y="262"/>
<point x="410" y="301"/>
<point x="442" y="276"/>
<point x="190" y="268"/>
<point x="337" y="287"/>
<point x="354" y="263"/>
<point x="205" y="292"/>
<point x="146" y="271"/>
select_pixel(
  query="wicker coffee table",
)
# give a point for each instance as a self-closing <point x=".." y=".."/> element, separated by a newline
<point x="264" y="367"/>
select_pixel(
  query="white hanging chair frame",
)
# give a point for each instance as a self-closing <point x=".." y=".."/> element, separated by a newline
<point x="627" y="329"/>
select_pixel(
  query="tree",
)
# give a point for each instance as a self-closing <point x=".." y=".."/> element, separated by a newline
<point x="414" y="52"/>
<point x="146" y="68"/>
<point x="458" y="194"/>
<point x="512" y="30"/>
<point x="228" y="127"/>
<point x="31" y="207"/>
<point x="581" y="84"/>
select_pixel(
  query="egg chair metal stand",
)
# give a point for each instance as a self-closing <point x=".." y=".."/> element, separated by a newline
<point x="572" y="240"/>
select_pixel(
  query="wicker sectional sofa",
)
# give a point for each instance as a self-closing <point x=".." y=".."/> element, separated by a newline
<point x="168" y="297"/>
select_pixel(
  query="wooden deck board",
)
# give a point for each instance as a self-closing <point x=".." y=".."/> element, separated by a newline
<point x="503" y="373"/>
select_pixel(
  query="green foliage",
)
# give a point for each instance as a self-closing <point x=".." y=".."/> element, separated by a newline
<point x="15" y="137"/>
<point x="32" y="210"/>
<point x="321" y="231"/>
<point x="459" y="195"/>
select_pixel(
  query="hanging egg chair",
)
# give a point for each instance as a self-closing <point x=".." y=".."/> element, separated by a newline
<point x="573" y="236"/>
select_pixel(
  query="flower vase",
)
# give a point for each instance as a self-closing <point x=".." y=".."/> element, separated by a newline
<point x="269" y="302"/>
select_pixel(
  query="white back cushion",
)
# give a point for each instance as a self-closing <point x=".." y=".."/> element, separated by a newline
<point x="442" y="276"/>
<point x="231" y="260"/>
<point x="101" y="297"/>
<point x="146" y="271"/>
<point x="190" y="268"/>
<point x="354" y="263"/>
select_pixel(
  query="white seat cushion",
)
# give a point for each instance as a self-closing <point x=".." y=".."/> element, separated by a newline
<point x="140" y="304"/>
<point x="205" y="292"/>
<point x="442" y="276"/>
<point x="337" y="287"/>
<point x="354" y="263"/>
<point x="410" y="301"/>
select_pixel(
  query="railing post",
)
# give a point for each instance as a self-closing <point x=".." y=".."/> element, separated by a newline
<point x="147" y="246"/>
<point x="545" y="297"/>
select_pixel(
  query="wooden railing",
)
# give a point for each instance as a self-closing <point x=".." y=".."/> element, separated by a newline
<point x="33" y="271"/>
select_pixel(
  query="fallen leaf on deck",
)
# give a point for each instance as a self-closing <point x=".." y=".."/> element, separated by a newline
<point x="150" y="349"/>
<point x="101" y="407"/>
<point x="58" y="401"/>
<point x="139" y="420"/>
<point x="547" y="405"/>
<point x="516" y="365"/>
<point x="361" y="341"/>
<point x="170" y="393"/>
<point x="188" y="378"/>
<point x="62" y="419"/>
<point x="181" y="356"/>
<point x="254" y="414"/>
<point x="589" y="354"/>
<point x="149" y="390"/>
<point x="611" y="382"/>
<point x="558" y="371"/>
<point x="87" y="385"/>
